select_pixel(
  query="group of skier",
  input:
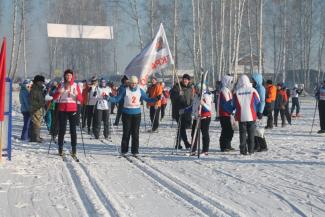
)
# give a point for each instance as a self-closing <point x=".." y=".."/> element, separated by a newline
<point x="90" y="104"/>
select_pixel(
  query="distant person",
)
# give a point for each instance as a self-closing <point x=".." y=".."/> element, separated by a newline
<point x="296" y="92"/>
<point x="279" y="105"/>
<point x="154" y="90"/>
<point x="24" y="94"/>
<point x="320" y="97"/>
<point x="225" y="109"/>
<point x="182" y="97"/>
<point x="68" y="94"/>
<point x="269" y="100"/>
<point x="246" y="102"/>
<point x="124" y="84"/>
<point x="164" y="100"/>
<point x="36" y="109"/>
<point x="131" y="114"/>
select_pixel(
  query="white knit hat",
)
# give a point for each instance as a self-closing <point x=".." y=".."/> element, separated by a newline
<point x="134" y="79"/>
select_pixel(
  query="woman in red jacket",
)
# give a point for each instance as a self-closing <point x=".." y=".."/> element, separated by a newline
<point x="67" y="95"/>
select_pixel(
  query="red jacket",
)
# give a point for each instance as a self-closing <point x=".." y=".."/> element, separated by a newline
<point x="68" y="100"/>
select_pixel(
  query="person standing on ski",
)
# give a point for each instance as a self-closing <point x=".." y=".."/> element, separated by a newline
<point x="320" y="97"/>
<point x="279" y="105"/>
<point x="216" y="94"/>
<point x="246" y="102"/>
<point x="153" y="91"/>
<point x="124" y="84"/>
<point x="24" y="93"/>
<point x="225" y="109"/>
<point x="131" y="113"/>
<point x="164" y="100"/>
<point x="205" y="105"/>
<point x="67" y="95"/>
<point x="296" y="92"/>
<point x="36" y="108"/>
<point x="92" y="100"/>
<point x="182" y="97"/>
<point x="102" y="110"/>
<point x="258" y="85"/>
<point x="270" y="100"/>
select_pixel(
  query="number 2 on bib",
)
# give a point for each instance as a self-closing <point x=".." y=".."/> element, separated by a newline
<point x="134" y="99"/>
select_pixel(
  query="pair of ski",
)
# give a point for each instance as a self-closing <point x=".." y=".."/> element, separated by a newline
<point x="74" y="157"/>
<point x="196" y="137"/>
<point x="129" y="158"/>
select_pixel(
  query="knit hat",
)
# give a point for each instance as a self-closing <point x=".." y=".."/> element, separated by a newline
<point x="93" y="79"/>
<point x="124" y="79"/>
<point x="187" y="76"/>
<point x="134" y="79"/>
<point x="39" y="78"/>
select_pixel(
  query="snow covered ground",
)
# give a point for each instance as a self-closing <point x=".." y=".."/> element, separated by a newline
<point x="288" y="180"/>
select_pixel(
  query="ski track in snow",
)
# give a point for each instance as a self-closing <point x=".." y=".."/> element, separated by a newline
<point x="288" y="180"/>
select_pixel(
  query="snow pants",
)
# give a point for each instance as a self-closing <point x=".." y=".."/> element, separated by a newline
<point x="63" y="118"/>
<point x="204" y="127"/>
<point x="246" y="137"/>
<point x="181" y="132"/>
<point x="163" y="109"/>
<point x="154" y="117"/>
<point x="131" y="125"/>
<point x="226" y="133"/>
<point x="295" y="104"/>
<point x="90" y="115"/>
<point x="27" y="121"/>
<point x="276" y="114"/>
<point x="321" y="109"/>
<point x="99" y="117"/>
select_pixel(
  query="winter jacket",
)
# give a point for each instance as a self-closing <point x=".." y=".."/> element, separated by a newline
<point x="320" y="94"/>
<point x="206" y="105"/>
<point x="181" y="101"/>
<point x="164" y="97"/>
<point x="260" y="89"/>
<point x="103" y="94"/>
<point x="123" y="96"/>
<point x="246" y="100"/>
<point x="93" y="95"/>
<point x="225" y="102"/>
<point x="36" y="98"/>
<point x="270" y="93"/>
<point x="154" y="91"/>
<point x="24" y="98"/>
<point x="296" y="92"/>
<point x="68" y="99"/>
<point x="281" y="99"/>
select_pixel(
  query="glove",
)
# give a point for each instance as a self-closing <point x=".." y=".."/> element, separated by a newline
<point x="106" y="97"/>
<point x="181" y="111"/>
<point x="95" y="93"/>
<point x="89" y="89"/>
<point x="158" y="97"/>
<point x="259" y="115"/>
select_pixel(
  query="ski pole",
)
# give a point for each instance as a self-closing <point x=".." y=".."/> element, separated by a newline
<point x="82" y="138"/>
<point x="114" y="134"/>
<point x="312" y="126"/>
<point x="144" y="118"/>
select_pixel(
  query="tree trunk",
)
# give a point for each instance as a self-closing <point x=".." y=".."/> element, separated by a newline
<point x="15" y="5"/>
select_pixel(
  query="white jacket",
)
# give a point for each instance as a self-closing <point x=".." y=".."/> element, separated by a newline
<point x="102" y="103"/>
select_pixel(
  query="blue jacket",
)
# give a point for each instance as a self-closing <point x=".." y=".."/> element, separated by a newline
<point x="261" y="91"/>
<point x="24" y="98"/>
<point x="131" y="111"/>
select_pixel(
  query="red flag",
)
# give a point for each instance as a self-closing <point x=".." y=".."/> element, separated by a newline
<point x="2" y="79"/>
